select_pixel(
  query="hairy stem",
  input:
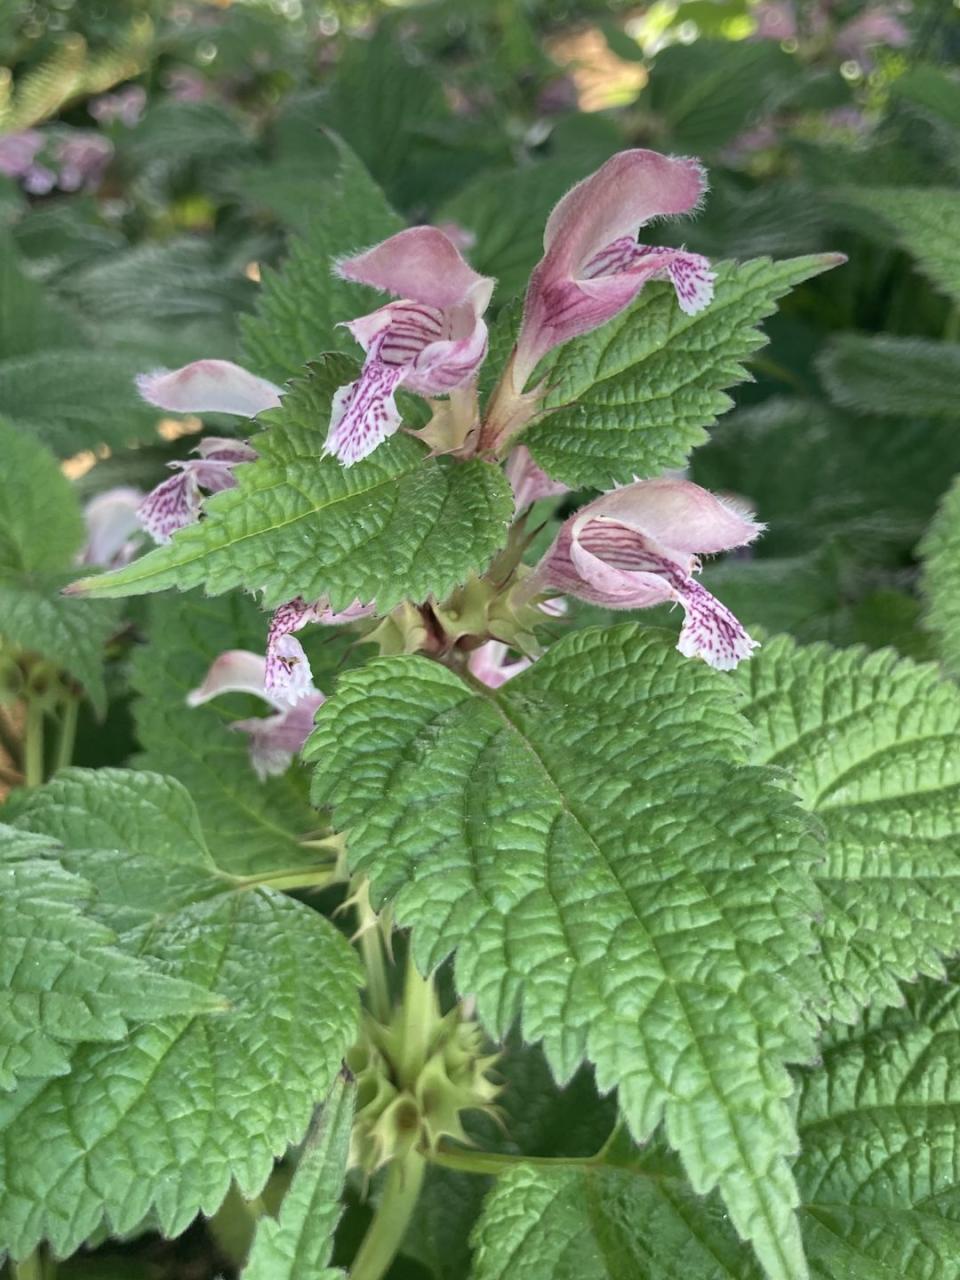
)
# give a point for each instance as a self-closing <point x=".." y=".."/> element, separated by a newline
<point x="494" y="1163"/>
<point x="390" y="1221"/>
<point x="33" y="746"/>
<point x="420" y="1016"/>
<point x="68" y="733"/>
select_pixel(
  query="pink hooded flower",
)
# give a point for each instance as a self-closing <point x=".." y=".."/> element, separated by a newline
<point x="432" y="340"/>
<point x="288" y="667"/>
<point x="529" y="481"/>
<point x="112" y="525"/>
<point x="274" y="739"/>
<point x="593" y="267"/>
<point x="491" y="666"/>
<point x="637" y="546"/>
<point x="207" y="386"/>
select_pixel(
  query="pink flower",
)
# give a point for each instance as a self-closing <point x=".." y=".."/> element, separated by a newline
<point x="288" y="667"/>
<point x="18" y="151"/>
<point x="874" y="26"/>
<point x="637" y="546"/>
<point x="592" y="267"/>
<point x="126" y="105"/>
<point x="176" y="502"/>
<point x="530" y="482"/>
<point x="776" y="20"/>
<point x="206" y="386"/>
<point x="489" y="664"/>
<point x="274" y="739"/>
<point x="82" y="157"/>
<point x="431" y="341"/>
<point x="111" y="518"/>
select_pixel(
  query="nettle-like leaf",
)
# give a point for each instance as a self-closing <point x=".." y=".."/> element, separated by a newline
<point x="399" y="525"/>
<point x="41" y="528"/>
<point x="248" y="825"/>
<point x="590" y="842"/>
<point x="879" y="1124"/>
<point x="926" y="222"/>
<point x="215" y="1096"/>
<point x="303" y="304"/>
<point x="299" y="1242"/>
<point x="635" y="396"/>
<point x="64" y="979"/>
<point x="941" y="579"/>
<point x="892" y="376"/>
<point x="869" y="742"/>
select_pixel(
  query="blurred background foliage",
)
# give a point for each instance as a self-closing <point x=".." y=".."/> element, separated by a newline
<point x="159" y="159"/>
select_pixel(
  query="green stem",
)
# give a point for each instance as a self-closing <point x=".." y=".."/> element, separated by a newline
<point x="951" y="331"/>
<point x="493" y="1163"/>
<point x="33" y="746"/>
<point x="68" y="733"/>
<point x="302" y="878"/>
<point x="378" y="988"/>
<point x="10" y="739"/>
<point x="420" y="1018"/>
<point x="31" y="1268"/>
<point x="391" y="1219"/>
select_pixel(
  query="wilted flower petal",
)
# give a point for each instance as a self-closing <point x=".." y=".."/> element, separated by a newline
<point x="176" y="502"/>
<point x="637" y="547"/>
<point x="209" y="386"/>
<point x="592" y="266"/>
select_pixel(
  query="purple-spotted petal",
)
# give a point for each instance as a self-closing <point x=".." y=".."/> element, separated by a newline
<point x="452" y="363"/>
<point x="710" y="631"/>
<point x="172" y="505"/>
<point x="209" y="386"/>
<point x="288" y="674"/>
<point x="689" y="273"/>
<point x="364" y="413"/>
<point x="421" y="264"/>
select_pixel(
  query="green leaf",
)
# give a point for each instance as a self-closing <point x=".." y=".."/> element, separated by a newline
<point x="301" y="306"/>
<point x="892" y="376"/>
<point x="878" y="1123"/>
<point x="30" y="319"/>
<point x="941" y="579"/>
<point x="635" y="396"/>
<point x="64" y="980"/>
<point x="40" y="522"/>
<point x="926" y="221"/>
<point x="212" y="1097"/>
<point x="589" y="841"/>
<point x="398" y="525"/>
<point x="868" y="742"/>
<point x="41" y="529"/>
<point x="297" y="1245"/>
<point x="249" y="826"/>
<point x="932" y="90"/>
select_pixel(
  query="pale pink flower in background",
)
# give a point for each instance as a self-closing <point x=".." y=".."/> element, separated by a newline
<point x="288" y="668"/>
<point x="186" y="85"/>
<point x="877" y="25"/>
<point x="81" y="158"/>
<point x="18" y="160"/>
<point x="125" y="105"/>
<point x="529" y="481"/>
<point x="431" y="341"/>
<point x="637" y="547"/>
<point x="274" y="739"/>
<point x="206" y="386"/>
<point x="462" y="238"/>
<point x="593" y="267"/>
<point x="492" y="665"/>
<point x="776" y="20"/>
<point x="112" y="525"/>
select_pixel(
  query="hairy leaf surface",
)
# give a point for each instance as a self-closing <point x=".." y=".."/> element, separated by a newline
<point x="591" y="843"/>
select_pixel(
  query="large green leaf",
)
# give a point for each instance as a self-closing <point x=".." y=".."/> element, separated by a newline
<point x="398" y="525"/>
<point x="297" y="1245"/>
<point x="590" y="842"/>
<point x="301" y="305"/>
<point x="880" y="1197"/>
<point x="64" y="979"/>
<point x="30" y="319"/>
<point x="941" y="579"/>
<point x="901" y="377"/>
<point x="635" y="396"/>
<point x="869" y="742"/>
<point x="163" y="1120"/>
<point x="248" y="825"/>
<point x="926" y="222"/>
